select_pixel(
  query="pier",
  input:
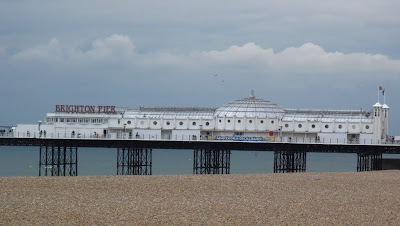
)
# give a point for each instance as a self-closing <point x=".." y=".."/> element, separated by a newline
<point x="59" y="157"/>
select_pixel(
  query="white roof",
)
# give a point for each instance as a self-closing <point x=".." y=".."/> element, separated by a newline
<point x="317" y="115"/>
<point x="377" y="104"/>
<point x="171" y="113"/>
<point x="250" y="107"/>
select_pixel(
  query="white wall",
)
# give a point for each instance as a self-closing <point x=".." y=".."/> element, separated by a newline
<point x="27" y="130"/>
<point x="333" y="138"/>
<point x="147" y="134"/>
<point x="367" y="138"/>
<point x="185" y="134"/>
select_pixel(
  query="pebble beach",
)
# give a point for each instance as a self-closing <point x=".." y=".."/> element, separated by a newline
<point x="364" y="198"/>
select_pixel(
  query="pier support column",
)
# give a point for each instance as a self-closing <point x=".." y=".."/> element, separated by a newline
<point x="368" y="161"/>
<point x="134" y="161"/>
<point x="58" y="161"/>
<point x="208" y="161"/>
<point x="289" y="161"/>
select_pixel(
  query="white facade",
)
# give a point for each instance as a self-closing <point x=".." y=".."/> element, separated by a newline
<point x="241" y="119"/>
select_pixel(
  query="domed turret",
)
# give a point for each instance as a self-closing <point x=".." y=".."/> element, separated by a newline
<point x="250" y="107"/>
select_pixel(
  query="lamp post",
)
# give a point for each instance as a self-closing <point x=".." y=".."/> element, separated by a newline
<point x="124" y="130"/>
<point x="39" y="123"/>
<point x="201" y="127"/>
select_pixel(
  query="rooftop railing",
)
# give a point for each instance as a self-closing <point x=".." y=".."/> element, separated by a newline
<point x="126" y="136"/>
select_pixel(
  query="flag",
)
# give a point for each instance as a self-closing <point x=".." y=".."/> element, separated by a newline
<point x="383" y="92"/>
<point x="380" y="88"/>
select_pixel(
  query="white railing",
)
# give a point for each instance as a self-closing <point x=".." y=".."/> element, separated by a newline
<point x="127" y="136"/>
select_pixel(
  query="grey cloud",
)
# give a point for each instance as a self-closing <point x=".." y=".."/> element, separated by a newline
<point x="307" y="59"/>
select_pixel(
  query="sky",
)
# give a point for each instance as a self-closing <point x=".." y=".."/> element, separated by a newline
<point x="298" y="54"/>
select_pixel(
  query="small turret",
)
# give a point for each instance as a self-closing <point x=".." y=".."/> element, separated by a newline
<point x="378" y="123"/>
<point x="385" y="121"/>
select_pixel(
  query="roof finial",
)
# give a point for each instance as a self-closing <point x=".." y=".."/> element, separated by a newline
<point x="252" y="95"/>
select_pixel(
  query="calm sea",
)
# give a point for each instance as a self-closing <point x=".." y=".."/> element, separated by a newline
<point x="24" y="161"/>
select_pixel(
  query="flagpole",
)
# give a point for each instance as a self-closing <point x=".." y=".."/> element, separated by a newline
<point x="378" y="94"/>
<point x="384" y="96"/>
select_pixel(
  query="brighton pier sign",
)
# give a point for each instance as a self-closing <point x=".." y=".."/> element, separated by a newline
<point x="86" y="109"/>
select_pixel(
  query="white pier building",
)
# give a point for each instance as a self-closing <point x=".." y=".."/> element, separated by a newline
<point x="245" y="119"/>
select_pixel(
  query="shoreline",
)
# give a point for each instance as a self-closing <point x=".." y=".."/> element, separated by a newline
<point x="369" y="198"/>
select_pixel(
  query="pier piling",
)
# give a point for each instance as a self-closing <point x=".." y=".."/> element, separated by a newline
<point x="208" y="161"/>
<point x="287" y="160"/>
<point x="134" y="161"/>
<point x="58" y="160"/>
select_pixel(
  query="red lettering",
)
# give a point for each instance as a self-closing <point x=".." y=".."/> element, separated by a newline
<point x="86" y="109"/>
<point x="92" y="109"/>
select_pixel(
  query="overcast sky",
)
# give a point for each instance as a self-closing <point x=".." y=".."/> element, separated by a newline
<point x="298" y="54"/>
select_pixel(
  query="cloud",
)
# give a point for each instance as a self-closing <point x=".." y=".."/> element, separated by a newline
<point x="119" y="46"/>
<point x="50" y="52"/>
<point x="308" y="59"/>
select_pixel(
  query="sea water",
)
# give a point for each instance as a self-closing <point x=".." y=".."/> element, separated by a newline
<point x="24" y="161"/>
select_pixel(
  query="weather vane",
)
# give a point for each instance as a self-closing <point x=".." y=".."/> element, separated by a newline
<point x="252" y="95"/>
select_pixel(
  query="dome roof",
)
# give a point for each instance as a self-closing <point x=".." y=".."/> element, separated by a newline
<point x="250" y="107"/>
<point x="377" y="105"/>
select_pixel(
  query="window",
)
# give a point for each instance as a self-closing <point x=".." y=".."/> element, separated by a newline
<point x="168" y="123"/>
<point x="367" y="126"/>
<point x="250" y="121"/>
<point x="300" y="125"/>
<point x="155" y="122"/>
<point x="286" y="125"/>
<point x="313" y="126"/>
<point x="272" y="122"/>
<point x="229" y="120"/>
<point x="129" y="122"/>
<point x="239" y="133"/>
<point x="340" y="126"/>
<point x="181" y="123"/>
<point x="119" y="121"/>
<point x="194" y="123"/>
<point x="207" y="123"/>
<point x="220" y="120"/>
<point x="239" y="121"/>
<point x="61" y="119"/>
<point x="262" y="121"/>
<point x="326" y="126"/>
<point x="353" y="126"/>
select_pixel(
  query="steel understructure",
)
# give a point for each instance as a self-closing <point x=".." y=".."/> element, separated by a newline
<point x="287" y="160"/>
<point x="210" y="161"/>
<point x="58" y="157"/>
<point x="134" y="161"/>
<point x="58" y="161"/>
<point x="367" y="161"/>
